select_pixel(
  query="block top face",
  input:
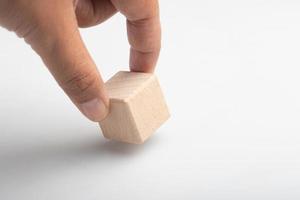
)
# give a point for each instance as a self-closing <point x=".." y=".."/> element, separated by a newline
<point x="125" y="85"/>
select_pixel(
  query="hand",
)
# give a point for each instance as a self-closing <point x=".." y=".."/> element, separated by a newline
<point x="50" y="27"/>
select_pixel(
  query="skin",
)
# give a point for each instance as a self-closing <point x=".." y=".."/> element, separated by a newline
<point x="51" y="28"/>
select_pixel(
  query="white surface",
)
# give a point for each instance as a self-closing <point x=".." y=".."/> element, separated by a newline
<point x="230" y="72"/>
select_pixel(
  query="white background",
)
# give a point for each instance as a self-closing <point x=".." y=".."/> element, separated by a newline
<point x="230" y="72"/>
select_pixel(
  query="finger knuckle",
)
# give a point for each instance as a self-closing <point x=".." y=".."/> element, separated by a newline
<point x="79" y="85"/>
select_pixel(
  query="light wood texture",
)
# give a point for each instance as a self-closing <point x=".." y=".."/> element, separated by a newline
<point x="137" y="107"/>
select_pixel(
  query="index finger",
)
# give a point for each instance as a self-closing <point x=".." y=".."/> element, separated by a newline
<point x="144" y="32"/>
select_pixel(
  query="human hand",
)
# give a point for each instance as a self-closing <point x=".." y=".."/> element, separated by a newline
<point x="50" y="27"/>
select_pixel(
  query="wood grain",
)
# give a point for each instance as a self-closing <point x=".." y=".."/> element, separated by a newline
<point x="137" y="107"/>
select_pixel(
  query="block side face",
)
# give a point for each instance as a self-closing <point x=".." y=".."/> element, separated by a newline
<point x="119" y="124"/>
<point x="149" y="109"/>
<point x="123" y="85"/>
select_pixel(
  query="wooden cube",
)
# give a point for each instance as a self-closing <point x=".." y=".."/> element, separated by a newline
<point x="137" y="107"/>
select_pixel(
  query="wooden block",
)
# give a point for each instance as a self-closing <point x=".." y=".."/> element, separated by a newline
<point x="137" y="107"/>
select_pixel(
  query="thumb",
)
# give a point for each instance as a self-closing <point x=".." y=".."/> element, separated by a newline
<point x="60" y="45"/>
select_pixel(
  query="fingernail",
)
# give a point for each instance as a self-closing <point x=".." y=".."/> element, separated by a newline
<point x="95" y="110"/>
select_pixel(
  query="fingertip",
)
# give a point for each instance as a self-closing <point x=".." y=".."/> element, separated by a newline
<point x="143" y="62"/>
<point x="95" y="110"/>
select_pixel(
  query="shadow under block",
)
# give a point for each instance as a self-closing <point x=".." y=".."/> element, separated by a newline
<point x="137" y="107"/>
